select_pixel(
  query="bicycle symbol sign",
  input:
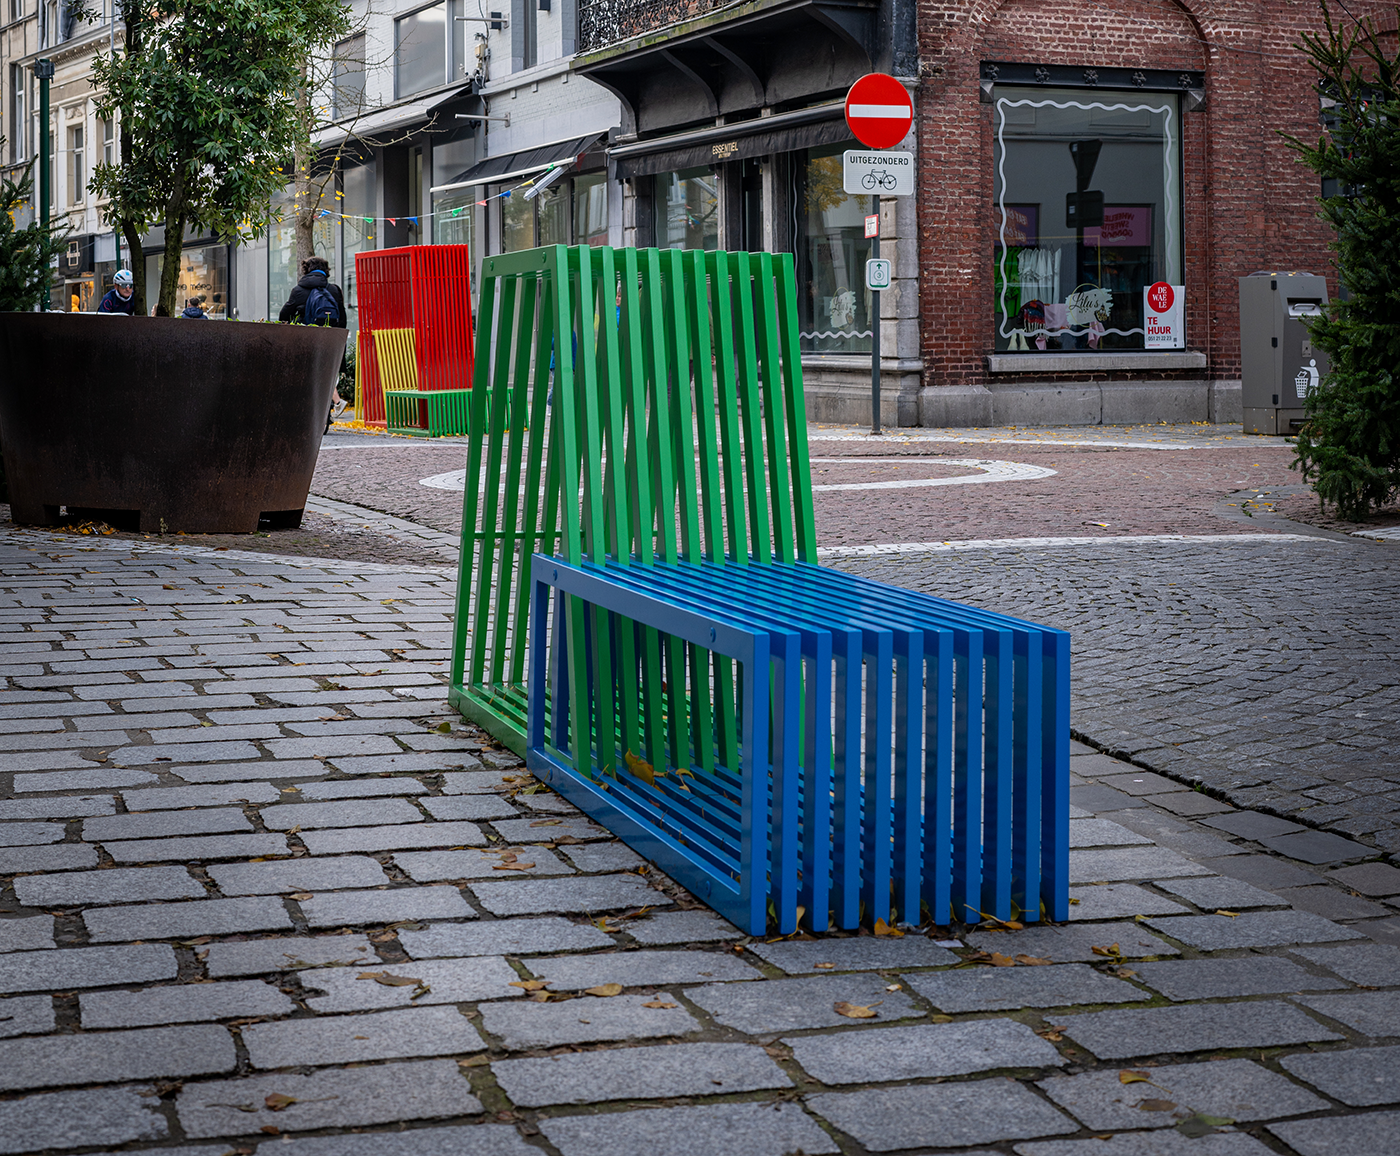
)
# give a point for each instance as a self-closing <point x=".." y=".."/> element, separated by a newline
<point x="888" y="174"/>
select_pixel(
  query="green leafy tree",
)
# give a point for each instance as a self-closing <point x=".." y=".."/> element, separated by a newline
<point x="26" y="254"/>
<point x="207" y="93"/>
<point x="1350" y="447"/>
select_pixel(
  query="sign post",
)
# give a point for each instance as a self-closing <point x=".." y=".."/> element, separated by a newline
<point x="879" y="114"/>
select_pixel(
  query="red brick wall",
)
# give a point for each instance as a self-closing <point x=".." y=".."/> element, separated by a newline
<point x="1249" y="203"/>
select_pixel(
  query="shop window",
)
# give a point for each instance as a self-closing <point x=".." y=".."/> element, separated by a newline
<point x="686" y="204"/>
<point x="348" y="77"/>
<point x="357" y="230"/>
<point x="552" y="213"/>
<point x="77" y="168"/>
<point x="833" y="305"/>
<point x="420" y="50"/>
<point x="591" y="209"/>
<point x="283" y="271"/>
<point x="517" y="222"/>
<point x="1087" y="213"/>
<point x="203" y="274"/>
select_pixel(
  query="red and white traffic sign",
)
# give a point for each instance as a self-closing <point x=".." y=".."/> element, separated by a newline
<point x="879" y="111"/>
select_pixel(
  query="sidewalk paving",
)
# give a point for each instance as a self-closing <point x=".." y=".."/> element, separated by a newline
<point x="255" y="891"/>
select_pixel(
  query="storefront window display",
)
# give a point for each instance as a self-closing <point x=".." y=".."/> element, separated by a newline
<point x="282" y="270"/>
<point x="1087" y="187"/>
<point x="591" y="209"/>
<point x="687" y="210"/>
<point x="832" y="302"/>
<point x="357" y="233"/>
<point x="203" y="274"/>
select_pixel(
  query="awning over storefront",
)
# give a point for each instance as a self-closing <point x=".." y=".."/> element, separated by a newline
<point x="387" y="120"/>
<point x="510" y="166"/>
<point x="803" y="128"/>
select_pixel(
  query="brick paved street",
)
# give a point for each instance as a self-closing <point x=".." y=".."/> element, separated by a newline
<point x="256" y="892"/>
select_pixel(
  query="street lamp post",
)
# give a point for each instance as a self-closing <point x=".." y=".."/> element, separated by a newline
<point x="43" y="69"/>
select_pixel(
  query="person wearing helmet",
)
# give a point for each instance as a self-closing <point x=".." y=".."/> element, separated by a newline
<point x="121" y="297"/>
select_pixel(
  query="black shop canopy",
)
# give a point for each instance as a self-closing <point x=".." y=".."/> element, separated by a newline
<point x="523" y="163"/>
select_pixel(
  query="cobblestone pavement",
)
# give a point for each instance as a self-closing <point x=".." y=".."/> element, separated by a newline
<point x="253" y="897"/>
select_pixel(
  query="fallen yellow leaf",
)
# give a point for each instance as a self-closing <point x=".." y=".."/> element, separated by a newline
<point x="660" y="1003"/>
<point x="639" y="768"/>
<point x="883" y="928"/>
<point x="474" y="1062"/>
<point x="1231" y="914"/>
<point x="276" y="1102"/>
<point x="390" y="980"/>
<point x="512" y="866"/>
<point x="604" y="989"/>
<point x="1032" y="960"/>
<point x="855" y="1011"/>
<point x="530" y="984"/>
<point x="1129" y="1076"/>
<point x="824" y="966"/>
<point x="1112" y="951"/>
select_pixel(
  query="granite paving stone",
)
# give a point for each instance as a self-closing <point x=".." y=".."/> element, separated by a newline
<point x="1123" y="1033"/>
<point x="181" y="1003"/>
<point x="474" y="782"/>
<point x="1008" y="988"/>
<point x="403" y="762"/>
<point x="333" y="746"/>
<point x="58" y="807"/>
<point x="28" y="834"/>
<point x="1331" y="903"/>
<point x="1371" y="1132"/>
<point x="162" y="824"/>
<point x="345" y="813"/>
<point x="23" y="1015"/>
<point x="959" y="1114"/>
<point x="285" y="953"/>
<point x="547" y="829"/>
<point x="56" y="1120"/>
<point x="546" y="933"/>
<point x="1072" y="943"/>
<point x="1160" y="1143"/>
<point x="348" y="1098"/>
<point x="1372" y="1013"/>
<point x="1094" y="797"/>
<point x="433" y="866"/>
<point x="641" y="969"/>
<point x="1233" y="1089"/>
<point x="785" y="1005"/>
<point x="702" y="1130"/>
<point x="468" y="1140"/>
<point x="1191" y="803"/>
<point x="182" y="920"/>
<point x="582" y="894"/>
<point x="1102" y="833"/>
<point x="408" y="1033"/>
<point x="105" y="1057"/>
<point x="28" y="933"/>
<point x="1267" y="871"/>
<point x="1252" y="825"/>
<point x="72" y="780"/>
<point x="356" y="908"/>
<point x="114" y="885"/>
<point x="1127" y="864"/>
<point x="1317" y="847"/>
<point x="72" y="967"/>
<point x="600" y="857"/>
<point x="679" y="927"/>
<point x="237" y="772"/>
<point x="336" y="842"/>
<point x="859" y="953"/>
<point x="1217" y="891"/>
<point x="197" y="848"/>
<point x="476" y="807"/>
<point x="1115" y="900"/>
<point x="644" y="1073"/>
<point x="1191" y="979"/>
<point x="1129" y="780"/>
<point x="1363" y="1078"/>
<point x="54" y="857"/>
<point x="186" y="752"/>
<point x="589" y="1019"/>
<point x="182" y="1150"/>
<point x="448" y="981"/>
<point x="362" y="788"/>
<point x="922" y="1051"/>
<point x="297" y="875"/>
<point x="219" y="795"/>
<point x="1252" y="929"/>
<point x="1379" y="879"/>
<point x="1368" y="964"/>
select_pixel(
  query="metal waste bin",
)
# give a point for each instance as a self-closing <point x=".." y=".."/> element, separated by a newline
<point x="1278" y="364"/>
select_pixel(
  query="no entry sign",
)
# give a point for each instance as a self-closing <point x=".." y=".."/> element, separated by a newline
<point x="879" y="111"/>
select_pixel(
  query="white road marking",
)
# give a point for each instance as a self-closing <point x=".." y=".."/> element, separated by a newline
<point x="992" y="471"/>
<point x="1026" y="543"/>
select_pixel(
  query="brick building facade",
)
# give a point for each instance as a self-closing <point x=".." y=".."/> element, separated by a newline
<point x="1229" y="80"/>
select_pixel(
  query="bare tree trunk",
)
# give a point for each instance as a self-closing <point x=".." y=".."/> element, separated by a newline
<point x="307" y="199"/>
<point x="131" y="22"/>
<point x="174" y="245"/>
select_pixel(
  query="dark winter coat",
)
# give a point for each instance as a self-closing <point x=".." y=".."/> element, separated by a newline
<point x="316" y="279"/>
<point x="195" y="313"/>
<point x="114" y="302"/>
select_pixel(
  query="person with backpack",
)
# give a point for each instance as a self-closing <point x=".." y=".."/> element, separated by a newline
<point x="315" y="299"/>
<point x="194" y="311"/>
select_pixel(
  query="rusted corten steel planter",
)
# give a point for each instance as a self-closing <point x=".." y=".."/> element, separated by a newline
<point x="165" y="423"/>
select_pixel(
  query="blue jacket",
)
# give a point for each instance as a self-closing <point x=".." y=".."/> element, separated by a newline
<point x="114" y="302"/>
